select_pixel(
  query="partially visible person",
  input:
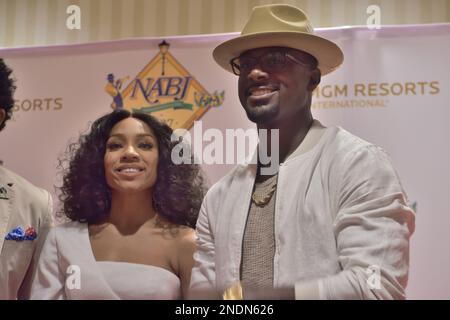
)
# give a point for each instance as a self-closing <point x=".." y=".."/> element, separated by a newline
<point x="25" y="213"/>
<point x="133" y="212"/>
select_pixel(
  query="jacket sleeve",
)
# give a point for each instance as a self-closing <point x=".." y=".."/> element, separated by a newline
<point x="203" y="276"/>
<point x="45" y="224"/>
<point x="48" y="281"/>
<point x="372" y="228"/>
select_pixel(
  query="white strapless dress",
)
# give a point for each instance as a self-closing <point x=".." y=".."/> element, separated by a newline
<point x="67" y="269"/>
<point x="140" y="281"/>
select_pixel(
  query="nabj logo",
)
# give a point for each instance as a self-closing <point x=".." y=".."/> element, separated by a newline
<point x="165" y="89"/>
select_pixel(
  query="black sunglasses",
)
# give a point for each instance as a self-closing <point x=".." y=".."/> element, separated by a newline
<point x="271" y="61"/>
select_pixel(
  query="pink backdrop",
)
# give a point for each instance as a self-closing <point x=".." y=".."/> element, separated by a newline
<point x="392" y="90"/>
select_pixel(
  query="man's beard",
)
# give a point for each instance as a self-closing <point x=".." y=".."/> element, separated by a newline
<point x="262" y="114"/>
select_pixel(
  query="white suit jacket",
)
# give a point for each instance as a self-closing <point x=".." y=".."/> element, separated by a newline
<point x="21" y="205"/>
<point x="342" y="225"/>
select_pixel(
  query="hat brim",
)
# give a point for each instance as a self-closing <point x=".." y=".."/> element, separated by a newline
<point x="327" y="53"/>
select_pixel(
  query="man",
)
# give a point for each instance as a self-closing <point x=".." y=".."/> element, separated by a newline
<point x="25" y="213"/>
<point x="332" y="223"/>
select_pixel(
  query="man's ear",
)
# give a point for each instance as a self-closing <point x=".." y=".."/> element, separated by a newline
<point x="315" y="79"/>
<point x="2" y="115"/>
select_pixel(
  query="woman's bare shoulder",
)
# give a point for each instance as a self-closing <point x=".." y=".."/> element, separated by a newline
<point x="185" y="236"/>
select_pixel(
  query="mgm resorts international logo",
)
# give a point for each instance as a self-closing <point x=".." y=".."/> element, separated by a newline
<point x="166" y="90"/>
<point x="369" y="95"/>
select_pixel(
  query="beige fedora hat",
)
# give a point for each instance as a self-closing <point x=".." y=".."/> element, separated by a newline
<point x="280" y="25"/>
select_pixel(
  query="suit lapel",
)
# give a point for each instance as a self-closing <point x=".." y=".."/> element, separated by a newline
<point x="6" y="206"/>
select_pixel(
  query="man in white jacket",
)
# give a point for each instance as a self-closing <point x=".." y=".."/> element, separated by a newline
<point x="332" y="222"/>
<point x="25" y="214"/>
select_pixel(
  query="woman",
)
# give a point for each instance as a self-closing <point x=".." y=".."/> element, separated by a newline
<point x="132" y="213"/>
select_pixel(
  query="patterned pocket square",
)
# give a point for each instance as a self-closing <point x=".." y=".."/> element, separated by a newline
<point x="18" y="234"/>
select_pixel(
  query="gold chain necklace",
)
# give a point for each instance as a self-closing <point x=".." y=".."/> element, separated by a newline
<point x="262" y="200"/>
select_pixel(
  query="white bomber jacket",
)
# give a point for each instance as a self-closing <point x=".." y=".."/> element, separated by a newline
<point x="342" y="225"/>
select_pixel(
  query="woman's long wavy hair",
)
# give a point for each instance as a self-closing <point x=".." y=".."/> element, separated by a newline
<point x="86" y="196"/>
